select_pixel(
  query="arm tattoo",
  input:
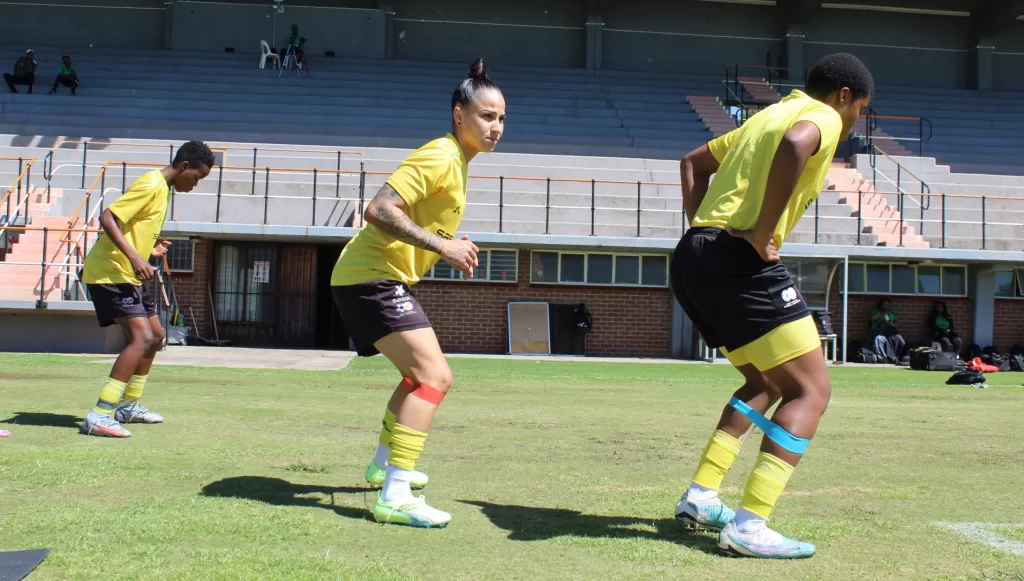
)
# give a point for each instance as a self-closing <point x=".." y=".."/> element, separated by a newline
<point x="396" y="223"/>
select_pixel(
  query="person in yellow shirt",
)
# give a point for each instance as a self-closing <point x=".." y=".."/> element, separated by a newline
<point x="727" y="275"/>
<point x="410" y="225"/>
<point x="115" y="273"/>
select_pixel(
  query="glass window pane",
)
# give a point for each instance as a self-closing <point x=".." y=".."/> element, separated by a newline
<point x="572" y="268"/>
<point x="627" y="270"/>
<point x="545" y="267"/>
<point x="954" y="281"/>
<point x="179" y="255"/>
<point x="480" y="272"/>
<point x="856" y="278"/>
<point x="903" y="280"/>
<point x="599" y="269"/>
<point x="812" y="277"/>
<point x="1020" y="283"/>
<point x="878" y="278"/>
<point x="929" y="279"/>
<point x="444" y="271"/>
<point x="503" y="265"/>
<point x="1004" y="284"/>
<point x="655" y="270"/>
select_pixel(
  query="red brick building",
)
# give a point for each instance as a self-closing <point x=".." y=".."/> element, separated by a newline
<point x="632" y="314"/>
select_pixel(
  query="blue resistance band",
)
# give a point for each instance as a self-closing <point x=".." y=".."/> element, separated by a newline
<point x="775" y="432"/>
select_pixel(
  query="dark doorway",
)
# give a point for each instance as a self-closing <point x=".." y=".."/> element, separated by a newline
<point x="330" y="329"/>
<point x="569" y="326"/>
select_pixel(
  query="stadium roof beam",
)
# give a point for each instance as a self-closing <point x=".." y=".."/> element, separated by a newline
<point x="994" y="18"/>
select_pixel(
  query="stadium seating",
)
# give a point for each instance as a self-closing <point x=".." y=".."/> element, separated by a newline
<point x="159" y="94"/>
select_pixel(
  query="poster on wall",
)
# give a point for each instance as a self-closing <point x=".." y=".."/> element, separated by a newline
<point x="261" y="271"/>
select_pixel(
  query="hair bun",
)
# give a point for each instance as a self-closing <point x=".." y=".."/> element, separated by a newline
<point x="478" y="70"/>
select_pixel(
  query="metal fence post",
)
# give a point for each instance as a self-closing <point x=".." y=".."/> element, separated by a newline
<point x="638" y="208"/>
<point x="547" y="208"/>
<point x="312" y="221"/>
<point x="220" y="182"/>
<point x="983" y="223"/>
<point x="501" y="203"/>
<point x="252" y="189"/>
<point x="41" y="303"/>
<point x="85" y="151"/>
<point x="266" y="196"/>
<point x="593" y="204"/>
<point x="943" y="219"/>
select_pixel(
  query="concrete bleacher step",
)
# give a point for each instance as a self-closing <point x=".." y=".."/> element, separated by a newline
<point x="710" y="111"/>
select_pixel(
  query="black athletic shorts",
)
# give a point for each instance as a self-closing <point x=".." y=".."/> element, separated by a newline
<point x="373" y="310"/>
<point x="120" y="301"/>
<point x="732" y="296"/>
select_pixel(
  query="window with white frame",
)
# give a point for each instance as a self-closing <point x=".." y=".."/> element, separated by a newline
<point x="1010" y="283"/>
<point x="811" y="278"/>
<point x="599" y="268"/>
<point x="908" y="279"/>
<point x="495" y="266"/>
<point x="181" y="255"/>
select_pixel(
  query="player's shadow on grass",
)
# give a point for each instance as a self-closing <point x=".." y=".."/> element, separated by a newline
<point x="280" y="492"/>
<point x="44" y="419"/>
<point x="530" y="523"/>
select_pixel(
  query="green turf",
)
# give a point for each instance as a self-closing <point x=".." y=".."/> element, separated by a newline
<point x="551" y="470"/>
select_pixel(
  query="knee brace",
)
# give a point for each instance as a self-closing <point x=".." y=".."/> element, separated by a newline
<point x="772" y="431"/>
<point x="423" y="391"/>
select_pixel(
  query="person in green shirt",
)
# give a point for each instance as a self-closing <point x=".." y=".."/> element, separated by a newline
<point x="24" y="72"/>
<point x="67" y="76"/>
<point x="296" y="42"/>
<point x="942" y="329"/>
<point x="889" y="343"/>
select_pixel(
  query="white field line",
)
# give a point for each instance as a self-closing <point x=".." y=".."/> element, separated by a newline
<point x="984" y="533"/>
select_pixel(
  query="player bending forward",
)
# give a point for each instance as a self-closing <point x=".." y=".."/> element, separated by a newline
<point x="727" y="275"/>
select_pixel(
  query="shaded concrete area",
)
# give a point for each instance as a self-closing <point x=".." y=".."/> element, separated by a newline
<point x="246" y="358"/>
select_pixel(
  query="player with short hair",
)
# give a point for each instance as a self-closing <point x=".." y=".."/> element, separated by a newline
<point x="727" y="275"/>
<point x="410" y="225"/>
<point x="116" y="271"/>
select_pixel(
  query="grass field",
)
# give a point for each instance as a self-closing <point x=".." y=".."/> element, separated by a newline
<point x="551" y="470"/>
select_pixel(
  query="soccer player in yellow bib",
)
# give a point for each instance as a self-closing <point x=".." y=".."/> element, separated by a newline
<point x="411" y="224"/>
<point x="115" y="273"/>
<point x="727" y="275"/>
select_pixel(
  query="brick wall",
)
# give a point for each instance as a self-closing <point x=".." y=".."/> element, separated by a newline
<point x="190" y="288"/>
<point x="472" y="317"/>
<point x="1009" y="327"/>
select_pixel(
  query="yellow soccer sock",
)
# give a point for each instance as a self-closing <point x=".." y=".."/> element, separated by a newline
<point x="136" y="385"/>
<point x="718" y="457"/>
<point x="765" y="485"/>
<point x="406" y="447"/>
<point x="388" y="429"/>
<point x="110" y="396"/>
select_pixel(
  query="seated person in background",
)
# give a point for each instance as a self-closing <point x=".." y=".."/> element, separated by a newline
<point x="24" y="72"/>
<point x="942" y="330"/>
<point x="889" y="344"/>
<point x="294" y="41"/>
<point x="67" y="76"/>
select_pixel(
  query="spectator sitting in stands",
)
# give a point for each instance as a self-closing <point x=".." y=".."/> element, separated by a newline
<point x="889" y="344"/>
<point x="940" y="325"/>
<point x="24" y="72"/>
<point x="67" y="76"/>
<point x="294" y="41"/>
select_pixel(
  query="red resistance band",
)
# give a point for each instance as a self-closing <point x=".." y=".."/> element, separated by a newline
<point x="422" y="391"/>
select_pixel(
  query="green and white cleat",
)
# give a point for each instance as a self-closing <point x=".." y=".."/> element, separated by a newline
<point x="375" y="476"/>
<point x="764" y="544"/>
<point x="414" y="513"/>
<point x="712" y="516"/>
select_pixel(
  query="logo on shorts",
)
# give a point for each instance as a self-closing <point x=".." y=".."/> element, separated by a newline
<point x="790" y="296"/>
<point x="399" y="291"/>
<point x="127" y="301"/>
